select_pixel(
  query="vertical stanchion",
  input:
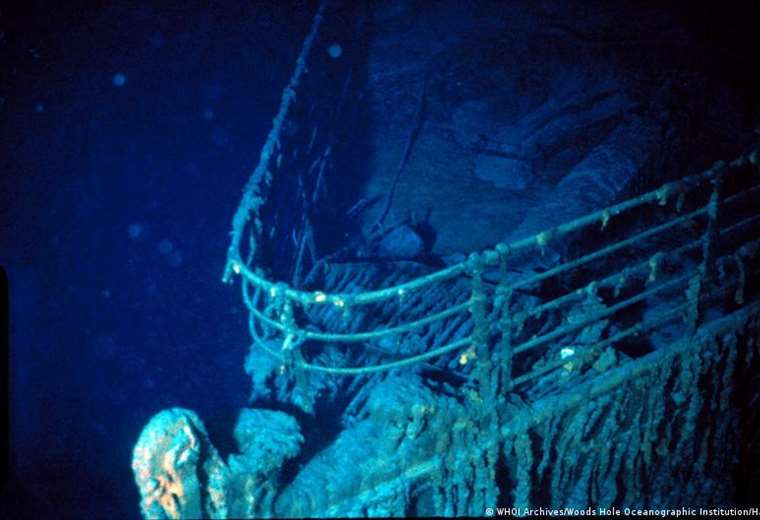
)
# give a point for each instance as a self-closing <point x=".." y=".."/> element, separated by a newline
<point x="480" y="328"/>
<point x="291" y="349"/>
<point x="504" y="295"/>
<point x="288" y="322"/>
<point x="710" y="241"/>
<point x="706" y="271"/>
<point x="488" y="411"/>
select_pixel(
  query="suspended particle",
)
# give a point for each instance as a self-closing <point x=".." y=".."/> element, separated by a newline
<point x="335" y="51"/>
<point x="119" y="79"/>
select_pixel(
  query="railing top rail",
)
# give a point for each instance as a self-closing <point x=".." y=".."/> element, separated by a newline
<point x="251" y="194"/>
<point x="254" y="197"/>
<point x="488" y="257"/>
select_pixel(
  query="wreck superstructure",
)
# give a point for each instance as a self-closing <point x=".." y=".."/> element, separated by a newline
<point x="606" y="360"/>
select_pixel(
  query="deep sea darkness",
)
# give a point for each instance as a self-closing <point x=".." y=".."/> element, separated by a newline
<point x="115" y="206"/>
<point x="127" y="131"/>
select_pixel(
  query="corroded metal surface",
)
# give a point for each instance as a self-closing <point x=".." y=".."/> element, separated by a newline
<point x="591" y="393"/>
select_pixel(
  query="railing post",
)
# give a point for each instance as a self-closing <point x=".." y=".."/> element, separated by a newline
<point x="480" y="329"/>
<point x="706" y="271"/>
<point x="291" y="348"/>
<point x="289" y="326"/>
<point x="488" y="417"/>
<point x="504" y="294"/>
<point x="710" y="241"/>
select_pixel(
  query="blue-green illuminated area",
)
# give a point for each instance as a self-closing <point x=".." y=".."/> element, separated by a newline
<point x="399" y="258"/>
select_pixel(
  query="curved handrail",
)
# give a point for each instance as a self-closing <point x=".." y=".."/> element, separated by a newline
<point x="490" y="257"/>
<point x="252" y="199"/>
<point x="259" y="181"/>
<point x="282" y="296"/>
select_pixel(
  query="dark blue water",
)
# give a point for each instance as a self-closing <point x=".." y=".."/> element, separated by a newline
<point x="128" y="131"/>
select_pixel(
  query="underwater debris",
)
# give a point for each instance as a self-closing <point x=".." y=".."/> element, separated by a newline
<point x="402" y="242"/>
<point x="177" y="470"/>
<point x="180" y="474"/>
<point x="445" y="390"/>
